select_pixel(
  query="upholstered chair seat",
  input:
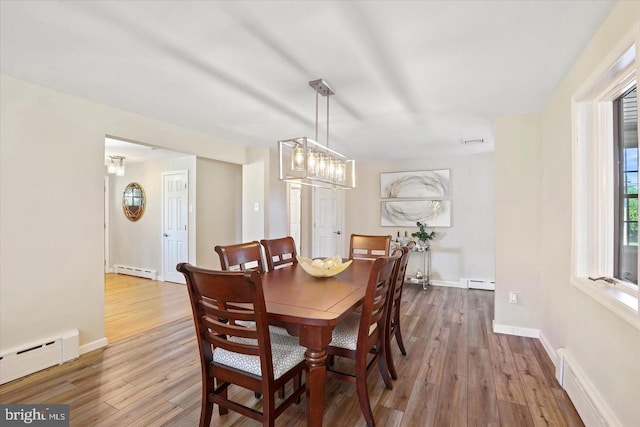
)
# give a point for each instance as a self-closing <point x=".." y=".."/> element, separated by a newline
<point x="285" y="352"/>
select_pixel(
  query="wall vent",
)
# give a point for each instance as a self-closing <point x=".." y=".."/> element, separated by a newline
<point x="135" y="271"/>
<point x="472" y="141"/>
<point x="35" y="356"/>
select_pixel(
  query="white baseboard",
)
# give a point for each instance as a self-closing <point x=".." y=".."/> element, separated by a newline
<point x="516" y="330"/>
<point x="93" y="345"/>
<point x="549" y="349"/>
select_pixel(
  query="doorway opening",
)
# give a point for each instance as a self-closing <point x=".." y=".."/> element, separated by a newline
<point x="133" y="304"/>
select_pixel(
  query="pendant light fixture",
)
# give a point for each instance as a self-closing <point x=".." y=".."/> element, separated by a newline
<point x="116" y="166"/>
<point x="307" y="162"/>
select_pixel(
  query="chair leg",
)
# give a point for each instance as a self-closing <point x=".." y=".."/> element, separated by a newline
<point x="398" y="335"/>
<point x="363" y="395"/>
<point x="384" y="369"/>
<point x="221" y="410"/>
<point x="269" y="410"/>
<point x="389" y="357"/>
<point x="206" y="408"/>
<point x="296" y="386"/>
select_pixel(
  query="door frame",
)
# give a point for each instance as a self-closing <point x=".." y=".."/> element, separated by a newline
<point x="107" y="193"/>
<point x="294" y="193"/>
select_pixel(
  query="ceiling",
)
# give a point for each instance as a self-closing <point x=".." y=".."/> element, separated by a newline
<point x="411" y="78"/>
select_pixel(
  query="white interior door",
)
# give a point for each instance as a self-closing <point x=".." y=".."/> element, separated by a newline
<point x="327" y="222"/>
<point x="175" y="190"/>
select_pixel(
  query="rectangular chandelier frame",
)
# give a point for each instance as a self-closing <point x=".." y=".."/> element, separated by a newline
<point x="306" y="162"/>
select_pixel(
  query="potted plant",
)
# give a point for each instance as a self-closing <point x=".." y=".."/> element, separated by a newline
<point x="423" y="235"/>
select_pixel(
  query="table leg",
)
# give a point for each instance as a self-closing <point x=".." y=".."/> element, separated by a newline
<point x="316" y="379"/>
<point x="315" y="339"/>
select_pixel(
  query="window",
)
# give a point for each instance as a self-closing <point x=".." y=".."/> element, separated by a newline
<point x="605" y="183"/>
<point x="625" y="116"/>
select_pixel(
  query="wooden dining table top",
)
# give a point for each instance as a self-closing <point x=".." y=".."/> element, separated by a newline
<point x="293" y="295"/>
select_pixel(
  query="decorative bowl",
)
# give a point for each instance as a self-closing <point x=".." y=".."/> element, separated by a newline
<point x="323" y="267"/>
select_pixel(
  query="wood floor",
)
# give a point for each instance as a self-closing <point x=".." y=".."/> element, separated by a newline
<point x="456" y="373"/>
<point x="133" y="305"/>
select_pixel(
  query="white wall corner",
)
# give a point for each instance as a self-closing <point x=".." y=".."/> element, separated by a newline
<point x="94" y="345"/>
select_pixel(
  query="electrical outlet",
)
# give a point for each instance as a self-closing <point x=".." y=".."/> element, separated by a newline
<point x="513" y="298"/>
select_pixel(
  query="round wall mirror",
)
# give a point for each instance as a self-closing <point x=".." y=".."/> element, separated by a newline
<point x="133" y="201"/>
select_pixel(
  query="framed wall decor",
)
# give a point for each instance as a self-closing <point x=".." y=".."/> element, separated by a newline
<point x="418" y="184"/>
<point x="409" y="197"/>
<point x="405" y="213"/>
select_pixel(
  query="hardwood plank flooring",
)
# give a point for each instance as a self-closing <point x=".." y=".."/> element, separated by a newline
<point x="456" y="372"/>
<point x="134" y="304"/>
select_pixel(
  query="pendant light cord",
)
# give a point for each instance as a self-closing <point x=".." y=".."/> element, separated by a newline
<point x="328" y="121"/>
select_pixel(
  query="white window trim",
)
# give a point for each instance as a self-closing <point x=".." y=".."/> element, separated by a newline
<point x="593" y="179"/>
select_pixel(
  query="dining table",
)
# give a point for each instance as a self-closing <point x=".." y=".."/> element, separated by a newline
<point x="310" y="307"/>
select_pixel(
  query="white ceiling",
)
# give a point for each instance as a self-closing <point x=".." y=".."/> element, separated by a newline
<point x="411" y="78"/>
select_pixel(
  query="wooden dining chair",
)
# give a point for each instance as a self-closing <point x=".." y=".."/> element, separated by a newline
<point x="251" y="358"/>
<point x="360" y="336"/>
<point x="280" y="252"/>
<point x="245" y="257"/>
<point x="369" y="247"/>
<point x="393" y="311"/>
<point x="241" y="257"/>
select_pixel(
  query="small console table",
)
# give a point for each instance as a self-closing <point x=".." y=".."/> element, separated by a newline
<point x="425" y="280"/>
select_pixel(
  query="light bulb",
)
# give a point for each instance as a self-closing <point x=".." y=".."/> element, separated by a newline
<point x="297" y="157"/>
<point x="312" y="162"/>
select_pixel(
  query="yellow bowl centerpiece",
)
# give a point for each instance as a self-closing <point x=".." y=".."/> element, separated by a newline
<point x="323" y="267"/>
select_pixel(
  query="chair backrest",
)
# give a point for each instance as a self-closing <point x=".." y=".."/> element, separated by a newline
<point x="398" y="279"/>
<point x="280" y="252"/>
<point x="374" y="307"/>
<point x="369" y="247"/>
<point x="215" y="296"/>
<point x="241" y="257"/>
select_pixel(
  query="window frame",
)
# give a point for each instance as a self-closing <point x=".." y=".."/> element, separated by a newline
<point x="620" y="195"/>
<point x="593" y="179"/>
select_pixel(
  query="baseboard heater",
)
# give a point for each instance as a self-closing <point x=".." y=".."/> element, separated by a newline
<point x="35" y="356"/>
<point x="487" y="285"/>
<point x="135" y="271"/>
<point x="585" y="398"/>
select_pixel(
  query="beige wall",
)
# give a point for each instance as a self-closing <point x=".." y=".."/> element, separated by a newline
<point x="51" y="182"/>
<point x="604" y="346"/>
<point x="219" y="208"/>
<point x="464" y="250"/>
<point x="518" y="220"/>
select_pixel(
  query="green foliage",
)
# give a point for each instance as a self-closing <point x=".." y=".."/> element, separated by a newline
<point x="422" y="233"/>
